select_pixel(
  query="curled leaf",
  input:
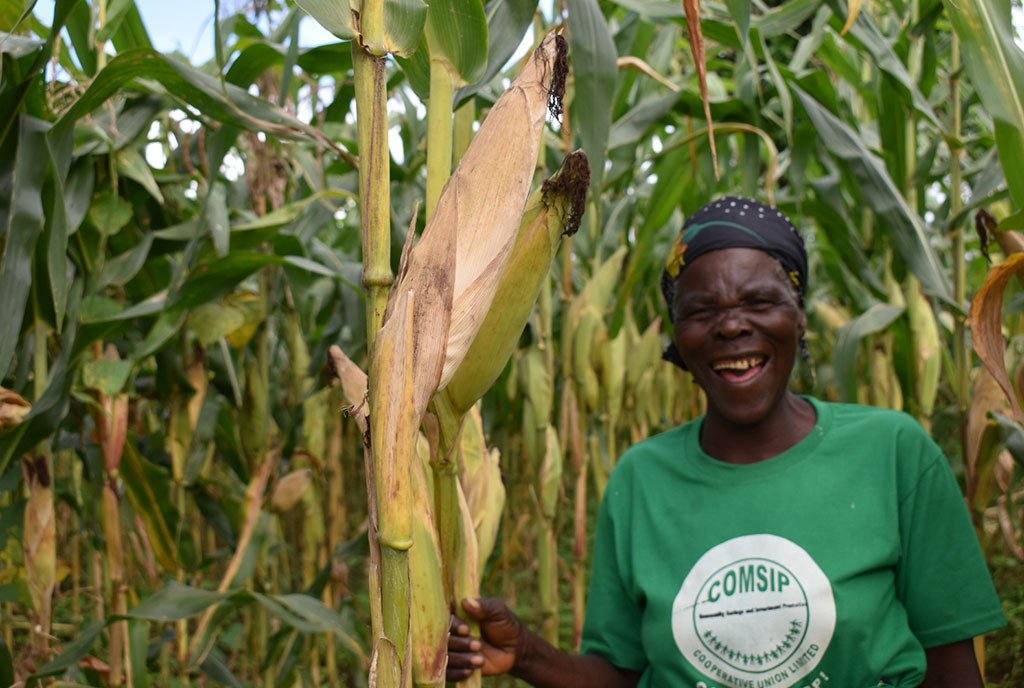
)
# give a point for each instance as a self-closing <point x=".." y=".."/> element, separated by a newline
<point x="986" y="325"/>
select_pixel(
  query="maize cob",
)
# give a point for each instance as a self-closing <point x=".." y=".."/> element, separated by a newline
<point x="467" y="567"/>
<point x="455" y="268"/>
<point x="13" y="408"/>
<point x="40" y="537"/>
<point x="552" y="212"/>
<point x="429" y="613"/>
<point x="613" y="377"/>
<point x="290" y="490"/>
<point x="482" y="484"/>
<point x="927" y="349"/>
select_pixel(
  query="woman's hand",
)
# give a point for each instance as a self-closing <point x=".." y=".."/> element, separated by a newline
<point x="496" y="650"/>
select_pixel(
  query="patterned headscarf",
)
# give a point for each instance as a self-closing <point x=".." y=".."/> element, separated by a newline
<point x="734" y="222"/>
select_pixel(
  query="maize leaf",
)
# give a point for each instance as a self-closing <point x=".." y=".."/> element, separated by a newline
<point x="13" y="408"/>
<point x="429" y="613"/>
<point x="552" y="212"/>
<point x="986" y="326"/>
<point x="986" y="399"/>
<point x="927" y="349"/>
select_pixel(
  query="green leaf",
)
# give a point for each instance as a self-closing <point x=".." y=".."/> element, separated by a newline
<point x="507" y="23"/>
<point x="991" y="56"/>
<point x="226" y="103"/>
<point x="595" y="67"/>
<point x="110" y="213"/>
<point x="138" y="648"/>
<point x="26" y="215"/>
<point x="740" y="12"/>
<point x="785" y="17"/>
<point x="49" y="410"/>
<point x="175" y="601"/>
<point x="867" y="34"/>
<point x="132" y="165"/>
<point x="873" y="320"/>
<point x="73" y="652"/>
<point x="404" y="21"/>
<point x="211" y="321"/>
<point x="456" y="32"/>
<point x="654" y="9"/>
<point x="117" y="12"/>
<point x="881" y="193"/>
<point x="120" y="270"/>
<point x="333" y="15"/>
<point x="996" y="67"/>
<point x="107" y="376"/>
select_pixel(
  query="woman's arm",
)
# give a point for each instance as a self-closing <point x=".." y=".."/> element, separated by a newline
<point x="952" y="666"/>
<point x="506" y="645"/>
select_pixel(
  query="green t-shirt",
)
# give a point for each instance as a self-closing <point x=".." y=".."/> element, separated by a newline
<point x="832" y="565"/>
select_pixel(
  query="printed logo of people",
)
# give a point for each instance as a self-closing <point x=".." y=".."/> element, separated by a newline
<point x="754" y="611"/>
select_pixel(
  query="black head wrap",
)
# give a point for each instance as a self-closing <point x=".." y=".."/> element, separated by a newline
<point x="734" y="222"/>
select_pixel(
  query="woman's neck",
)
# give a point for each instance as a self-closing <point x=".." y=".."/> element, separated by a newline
<point x="791" y="422"/>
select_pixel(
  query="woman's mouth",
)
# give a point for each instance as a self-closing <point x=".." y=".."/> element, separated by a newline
<point x="739" y="369"/>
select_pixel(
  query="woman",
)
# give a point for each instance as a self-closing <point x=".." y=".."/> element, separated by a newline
<point x="777" y="541"/>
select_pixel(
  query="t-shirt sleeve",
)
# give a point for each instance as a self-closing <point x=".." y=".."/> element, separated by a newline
<point x="614" y="615"/>
<point x="942" y="578"/>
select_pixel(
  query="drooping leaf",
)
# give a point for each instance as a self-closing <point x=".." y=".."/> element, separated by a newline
<point x="882" y="194"/>
<point x="986" y="326"/>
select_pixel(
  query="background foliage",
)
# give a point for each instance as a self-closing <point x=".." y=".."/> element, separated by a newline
<point x="181" y="499"/>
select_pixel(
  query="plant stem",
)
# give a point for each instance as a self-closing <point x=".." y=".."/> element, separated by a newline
<point x="962" y="384"/>
<point x="439" y="132"/>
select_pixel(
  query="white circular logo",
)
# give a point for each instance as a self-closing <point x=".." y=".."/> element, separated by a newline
<point x="754" y="607"/>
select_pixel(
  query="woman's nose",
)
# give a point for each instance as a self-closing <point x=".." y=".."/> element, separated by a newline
<point x="732" y="322"/>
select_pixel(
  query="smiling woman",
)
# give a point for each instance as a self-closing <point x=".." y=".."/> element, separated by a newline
<point x="721" y="554"/>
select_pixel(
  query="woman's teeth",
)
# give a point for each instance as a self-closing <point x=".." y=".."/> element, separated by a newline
<point x="739" y="364"/>
<point x="740" y="369"/>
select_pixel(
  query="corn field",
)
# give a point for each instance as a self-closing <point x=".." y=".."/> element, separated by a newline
<point x="300" y="344"/>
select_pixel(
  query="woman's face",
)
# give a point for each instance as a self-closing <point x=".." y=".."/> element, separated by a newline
<point x="738" y="326"/>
